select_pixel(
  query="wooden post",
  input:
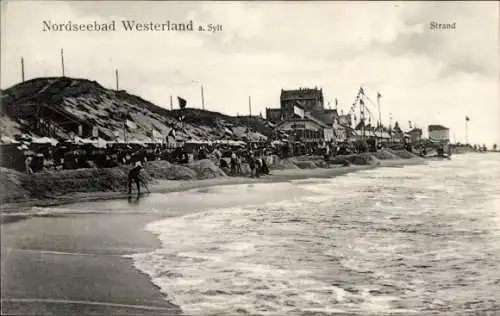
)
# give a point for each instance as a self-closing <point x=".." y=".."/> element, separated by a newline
<point x="249" y="117"/>
<point x="390" y="128"/>
<point x="125" y="128"/>
<point x="22" y="69"/>
<point x="250" y="105"/>
<point x="117" y="80"/>
<point x="202" y="99"/>
<point x="62" y="62"/>
<point x="379" y="115"/>
<point x="171" y="103"/>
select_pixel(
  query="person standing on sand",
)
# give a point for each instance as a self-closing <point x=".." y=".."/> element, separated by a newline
<point x="258" y="166"/>
<point x="234" y="163"/>
<point x="133" y="176"/>
<point x="27" y="165"/>
<point x="251" y="164"/>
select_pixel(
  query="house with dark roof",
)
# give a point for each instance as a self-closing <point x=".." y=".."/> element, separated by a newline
<point x="302" y="111"/>
<point x="273" y="114"/>
<point x="308" y="99"/>
<point x="306" y="130"/>
<point x="415" y="135"/>
<point x="438" y="133"/>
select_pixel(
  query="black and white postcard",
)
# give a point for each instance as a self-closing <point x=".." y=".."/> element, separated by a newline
<point x="277" y="158"/>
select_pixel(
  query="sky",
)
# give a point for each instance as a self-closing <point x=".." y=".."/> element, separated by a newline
<point x="424" y="76"/>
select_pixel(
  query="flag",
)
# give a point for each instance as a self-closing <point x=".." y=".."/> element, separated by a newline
<point x="298" y="111"/>
<point x="182" y="102"/>
<point x="467" y="118"/>
<point x="379" y="95"/>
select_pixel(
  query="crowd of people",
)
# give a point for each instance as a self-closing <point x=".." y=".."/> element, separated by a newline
<point x="70" y="155"/>
<point x="67" y="155"/>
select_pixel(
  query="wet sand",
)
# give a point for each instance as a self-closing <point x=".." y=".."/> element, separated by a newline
<point x="73" y="264"/>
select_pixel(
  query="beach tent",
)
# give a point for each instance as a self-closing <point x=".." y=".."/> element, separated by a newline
<point x="99" y="143"/>
<point x="44" y="140"/>
<point x="8" y="140"/>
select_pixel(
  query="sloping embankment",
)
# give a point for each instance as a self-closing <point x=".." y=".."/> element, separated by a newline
<point x="18" y="187"/>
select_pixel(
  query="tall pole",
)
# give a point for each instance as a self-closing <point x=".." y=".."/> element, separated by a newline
<point x="171" y="103"/>
<point x="250" y="105"/>
<point x="362" y="117"/>
<point x="202" y="99"/>
<point x="125" y="128"/>
<point x="22" y="69"/>
<point x="249" y="110"/>
<point x="62" y="61"/>
<point x="117" y="80"/>
<point x="390" y="127"/>
<point x="249" y="117"/>
<point x="466" y="132"/>
<point x="379" y="114"/>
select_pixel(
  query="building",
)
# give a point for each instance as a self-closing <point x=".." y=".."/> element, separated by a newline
<point x="307" y="99"/>
<point x="439" y="133"/>
<point x="306" y="129"/>
<point x="303" y="118"/>
<point x="342" y="127"/>
<point x="415" y="135"/>
<point x="397" y="134"/>
<point x="273" y="114"/>
<point x="294" y="102"/>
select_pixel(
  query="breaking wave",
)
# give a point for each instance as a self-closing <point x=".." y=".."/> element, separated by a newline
<point x="418" y="239"/>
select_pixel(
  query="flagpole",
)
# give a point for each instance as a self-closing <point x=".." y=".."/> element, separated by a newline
<point x="466" y="132"/>
<point x="390" y="128"/>
<point x="379" y="115"/>
<point x="249" y="117"/>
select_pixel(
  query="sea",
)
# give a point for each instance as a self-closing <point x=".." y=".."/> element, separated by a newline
<point x="421" y="239"/>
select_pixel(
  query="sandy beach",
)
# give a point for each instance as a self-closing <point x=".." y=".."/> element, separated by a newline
<point x="73" y="263"/>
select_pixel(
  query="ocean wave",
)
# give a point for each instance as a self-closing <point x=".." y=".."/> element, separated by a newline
<point x="384" y="241"/>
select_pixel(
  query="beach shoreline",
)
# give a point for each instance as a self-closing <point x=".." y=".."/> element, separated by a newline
<point x="21" y="208"/>
<point x="81" y="258"/>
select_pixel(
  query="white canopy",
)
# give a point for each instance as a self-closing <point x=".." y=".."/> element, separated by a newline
<point x="230" y="142"/>
<point x="8" y="140"/>
<point x="44" y="140"/>
<point x="99" y="142"/>
<point x="198" y="141"/>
